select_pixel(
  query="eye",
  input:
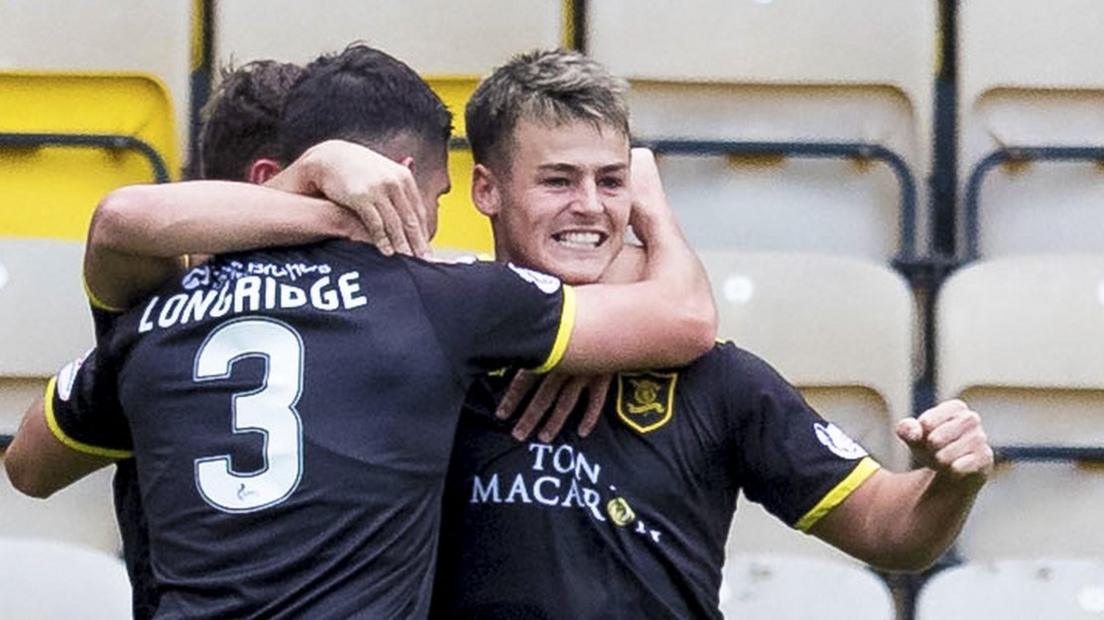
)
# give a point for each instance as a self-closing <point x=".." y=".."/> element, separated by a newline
<point x="555" y="181"/>
<point x="611" y="182"/>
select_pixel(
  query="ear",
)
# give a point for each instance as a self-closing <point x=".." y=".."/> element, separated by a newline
<point x="486" y="193"/>
<point x="263" y="169"/>
<point x="409" y="163"/>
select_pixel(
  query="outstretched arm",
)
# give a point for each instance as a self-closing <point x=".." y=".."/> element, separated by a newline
<point x="905" y="521"/>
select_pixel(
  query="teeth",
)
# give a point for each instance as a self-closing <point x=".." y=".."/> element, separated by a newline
<point x="581" y="239"/>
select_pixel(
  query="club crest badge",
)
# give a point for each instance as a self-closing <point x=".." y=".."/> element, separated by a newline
<point x="646" y="400"/>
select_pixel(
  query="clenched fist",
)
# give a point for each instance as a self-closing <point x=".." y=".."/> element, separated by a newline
<point x="949" y="439"/>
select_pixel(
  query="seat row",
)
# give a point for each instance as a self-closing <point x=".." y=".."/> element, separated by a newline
<point x="858" y="74"/>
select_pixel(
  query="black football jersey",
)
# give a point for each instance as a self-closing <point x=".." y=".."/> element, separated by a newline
<point x="631" y="522"/>
<point x="291" y="414"/>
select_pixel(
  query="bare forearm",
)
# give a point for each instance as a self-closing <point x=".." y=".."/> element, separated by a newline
<point x="139" y="233"/>
<point x="677" y="277"/>
<point x="911" y="519"/>
<point x="37" y="464"/>
<point x="210" y="217"/>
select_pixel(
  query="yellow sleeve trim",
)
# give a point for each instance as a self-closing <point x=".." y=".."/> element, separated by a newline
<point x="55" y="428"/>
<point x="95" y="301"/>
<point x="835" y="497"/>
<point x="563" y="336"/>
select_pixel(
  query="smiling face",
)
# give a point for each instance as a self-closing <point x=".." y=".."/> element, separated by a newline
<point x="563" y="204"/>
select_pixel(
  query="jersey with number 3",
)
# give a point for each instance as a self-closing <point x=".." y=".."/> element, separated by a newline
<point x="291" y="413"/>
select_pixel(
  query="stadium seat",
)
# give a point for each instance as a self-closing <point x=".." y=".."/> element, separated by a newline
<point x="838" y="328"/>
<point x="41" y="579"/>
<point x="66" y="139"/>
<point x="1029" y="77"/>
<point x="452" y="44"/>
<point x="790" y="588"/>
<point x="150" y="38"/>
<point x="1045" y="588"/>
<point x="850" y="71"/>
<point x="82" y="514"/>
<point x="1016" y="340"/>
<point x="44" y="319"/>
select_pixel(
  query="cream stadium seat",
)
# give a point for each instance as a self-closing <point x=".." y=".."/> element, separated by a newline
<point x="1018" y="340"/>
<point x="147" y="38"/>
<point x="787" y="588"/>
<point x="82" y="515"/>
<point x="1045" y="588"/>
<point x="778" y="71"/>
<point x="452" y="44"/>
<point x="1030" y="77"/>
<point x="838" y="328"/>
<point x="45" y="320"/>
<point x="41" y="579"/>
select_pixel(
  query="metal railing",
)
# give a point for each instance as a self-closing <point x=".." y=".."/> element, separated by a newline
<point x="1013" y="154"/>
<point x="811" y="150"/>
<point x="99" y="141"/>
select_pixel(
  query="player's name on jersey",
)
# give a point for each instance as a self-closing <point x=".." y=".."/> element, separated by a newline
<point x="251" y="294"/>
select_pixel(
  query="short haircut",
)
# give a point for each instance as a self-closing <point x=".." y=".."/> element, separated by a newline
<point x="241" y="117"/>
<point x="361" y="95"/>
<point x="546" y="86"/>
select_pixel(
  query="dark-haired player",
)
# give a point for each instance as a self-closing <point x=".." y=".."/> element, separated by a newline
<point x="291" y="410"/>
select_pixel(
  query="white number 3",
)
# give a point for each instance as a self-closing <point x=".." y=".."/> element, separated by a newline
<point x="269" y="410"/>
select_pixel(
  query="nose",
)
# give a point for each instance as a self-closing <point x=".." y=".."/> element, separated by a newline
<point x="588" y="201"/>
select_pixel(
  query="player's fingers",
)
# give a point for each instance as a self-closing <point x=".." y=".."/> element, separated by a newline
<point x="970" y="444"/>
<point x="910" y="431"/>
<point x="940" y="413"/>
<point x="373" y="224"/>
<point x="958" y="425"/>
<point x="596" y="394"/>
<point x="393" y="226"/>
<point x="412" y="226"/>
<point x="565" y="404"/>
<point x="538" y="406"/>
<point x="517" y="390"/>
<point x="978" y="462"/>
<point x="415" y="220"/>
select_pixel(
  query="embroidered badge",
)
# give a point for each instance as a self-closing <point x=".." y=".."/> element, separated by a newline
<point x="646" y="400"/>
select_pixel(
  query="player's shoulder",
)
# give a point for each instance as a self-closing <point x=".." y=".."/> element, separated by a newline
<point x="735" y="369"/>
<point x="473" y="270"/>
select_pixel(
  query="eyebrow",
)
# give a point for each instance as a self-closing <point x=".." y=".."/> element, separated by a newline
<point x="565" y="167"/>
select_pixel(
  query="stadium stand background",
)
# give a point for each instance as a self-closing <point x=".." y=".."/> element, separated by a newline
<point x="897" y="202"/>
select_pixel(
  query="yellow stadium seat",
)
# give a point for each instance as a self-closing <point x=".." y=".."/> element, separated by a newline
<point x="479" y="37"/>
<point x="67" y="139"/>
<point x="147" y="38"/>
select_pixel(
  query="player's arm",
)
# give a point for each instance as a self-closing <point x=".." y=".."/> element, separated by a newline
<point x="139" y="234"/>
<point x="557" y="393"/>
<point x="666" y="319"/>
<point x="380" y="191"/>
<point x="38" y="464"/>
<point x="905" y="521"/>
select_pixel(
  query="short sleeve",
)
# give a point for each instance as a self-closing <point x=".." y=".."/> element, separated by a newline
<point x="83" y="411"/>
<point x="490" y="315"/>
<point x="791" y="460"/>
